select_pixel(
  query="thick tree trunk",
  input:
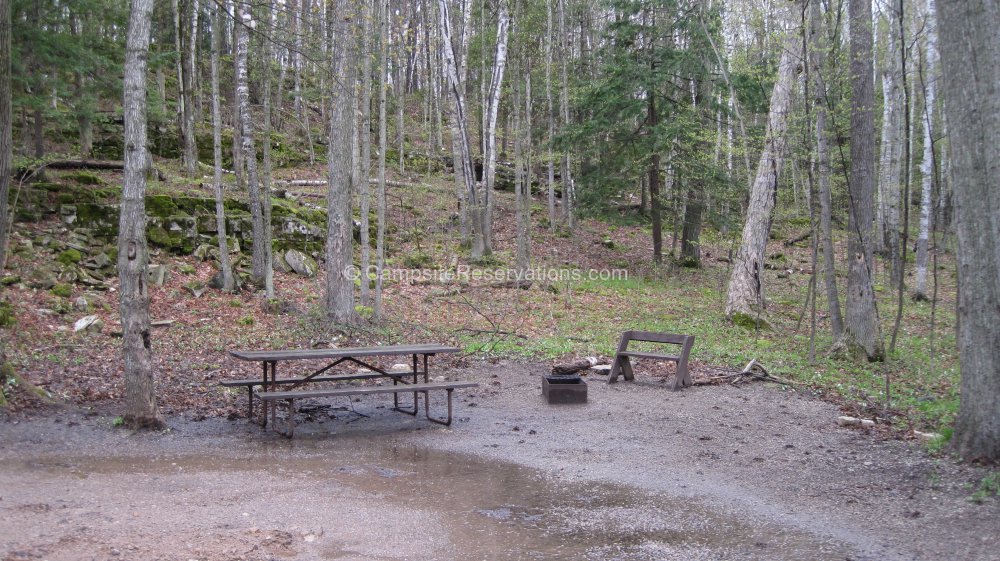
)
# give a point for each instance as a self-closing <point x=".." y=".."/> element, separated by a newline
<point x="249" y="151"/>
<point x="927" y="166"/>
<point x="817" y="61"/>
<point x="6" y="143"/>
<point x="265" y="186"/>
<point x="363" y="165"/>
<point x="862" y="332"/>
<point x="339" y="235"/>
<point x="220" y="209"/>
<point x="970" y="61"/>
<point x="190" y="66"/>
<point x="140" y="394"/>
<point x="745" y="299"/>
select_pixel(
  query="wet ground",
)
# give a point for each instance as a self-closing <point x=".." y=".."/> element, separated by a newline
<point x="638" y="473"/>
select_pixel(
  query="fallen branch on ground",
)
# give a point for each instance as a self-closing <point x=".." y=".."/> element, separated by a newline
<point x="752" y="372"/>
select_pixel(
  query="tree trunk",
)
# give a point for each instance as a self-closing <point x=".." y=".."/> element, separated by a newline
<point x="6" y="142"/>
<point x="817" y="60"/>
<point x="220" y="209"/>
<point x="382" y="146"/>
<point x="140" y="394"/>
<point x="339" y="235"/>
<point x="927" y="170"/>
<point x="363" y="165"/>
<point x="654" y="184"/>
<point x="890" y="158"/>
<point x="523" y="161"/>
<point x="475" y="201"/>
<point x="551" y="184"/>
<point x="249" y="152"/>
<point x="462" y="63"/>
<point x="745" y="299"/>
<point x="265" y="186"/>
<point x="190" y="66"/>
<point x="567" y="178"/>
<point x="492" y="109"/>
<point x="970" y="61"/>
<point x="862" y="332"/>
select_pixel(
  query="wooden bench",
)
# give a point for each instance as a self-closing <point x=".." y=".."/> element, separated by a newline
<point x="623" y="366"/>
<point x="424" y="388"/>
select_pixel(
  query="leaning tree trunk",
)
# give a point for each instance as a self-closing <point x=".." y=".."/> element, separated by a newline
<point x="927" y="164"/>
<point x="140" y="395"/>
<point x="745" y="300"/>
<point x="970" y="62"/>
<point x="225" y="267"/>
<point x="862" y="332"/>
<point x="249" y="152"/>
<point x="455" y="85"/>
<point x="339" y="240"/>
<point x="6" y="144"/>
<point x="492" y="109"/>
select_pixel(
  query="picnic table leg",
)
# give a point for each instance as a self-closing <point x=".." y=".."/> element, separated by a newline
<point x="445" y="422"/>
<point x="263" y="404"/>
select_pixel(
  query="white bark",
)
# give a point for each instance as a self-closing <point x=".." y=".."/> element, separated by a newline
<point x="382" y="146"/>
<point x="492" y="109"/>
<point x="887" y="234"/>
<point x="249" y="151"/>
<point x="927" y="163"/>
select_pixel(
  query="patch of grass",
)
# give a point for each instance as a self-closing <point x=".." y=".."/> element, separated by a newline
<point x="245" y="320"/>
<point x="988" y="487"/>
<point x="62" y="290"/>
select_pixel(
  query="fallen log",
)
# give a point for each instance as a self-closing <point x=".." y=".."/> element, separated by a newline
<point x="752" y="372"/>
<point x="797" y="239"/>
<point x="522" y="284"/>
<point x="575" y="366"/>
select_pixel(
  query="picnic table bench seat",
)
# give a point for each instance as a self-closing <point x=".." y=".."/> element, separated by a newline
<point x="289" y="397"/>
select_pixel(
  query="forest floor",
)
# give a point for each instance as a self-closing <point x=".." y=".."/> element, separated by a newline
<point x="712" y="472"/>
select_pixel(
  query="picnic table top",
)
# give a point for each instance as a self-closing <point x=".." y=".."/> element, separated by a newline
<point x="305" y="354"/>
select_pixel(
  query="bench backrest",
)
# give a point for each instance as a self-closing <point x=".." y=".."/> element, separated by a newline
<point x="654" y="337"/>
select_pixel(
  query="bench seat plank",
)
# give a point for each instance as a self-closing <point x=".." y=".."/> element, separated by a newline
<point x="658" y="356"/>
<point x="337" y="378"/>
<point x="366" y="390"/>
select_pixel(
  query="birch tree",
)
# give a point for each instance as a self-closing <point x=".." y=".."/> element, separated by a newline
<point x="225" y="266"/>
<point x="492" y="108"/>
<point x="248" y="150"/>
<point x="140" y="395"/>
<point x="970" y="62"/>
<point x="745" y="299"/>
<point x="887" y="235"/>
<point x="927" y="167"/>
<point x="862" y="332"/>
<point x="339" y="235"/>
<point x="382" y="146"/>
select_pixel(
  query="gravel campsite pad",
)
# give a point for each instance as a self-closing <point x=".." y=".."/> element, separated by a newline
<point x="637" y="473"/>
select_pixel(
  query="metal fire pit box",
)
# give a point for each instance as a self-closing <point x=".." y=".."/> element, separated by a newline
<point x="564" y="389"/>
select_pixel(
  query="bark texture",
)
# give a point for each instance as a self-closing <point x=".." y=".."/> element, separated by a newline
<point x="862" y="332"/>
<point x="970" y="61"/>
<point x="140" y="396"/>
<point x="746" y="290"/>
<point x="339" y="240"/>
<point x="887" y="238"/>
<point x="248" y="150"/>
<point x="220" y="210"/>
<point x="927" y="167"/>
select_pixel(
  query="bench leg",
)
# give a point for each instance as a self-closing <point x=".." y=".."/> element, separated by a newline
<point x="291" y="418"/>
<point x="427" y="403"/>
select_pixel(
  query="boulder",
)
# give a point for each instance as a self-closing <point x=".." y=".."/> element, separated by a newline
<point x="196" y="288"/>
<point x="301" y="263"/>
<point x="88" y="323"/>
<point x="158" y="274"/>
<point x="81" y="304"/>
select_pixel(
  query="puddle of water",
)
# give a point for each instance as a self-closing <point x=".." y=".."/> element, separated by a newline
<point x="493" y="510"/>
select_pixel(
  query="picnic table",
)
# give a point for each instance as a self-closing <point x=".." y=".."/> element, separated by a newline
<point x="402" y="381"/>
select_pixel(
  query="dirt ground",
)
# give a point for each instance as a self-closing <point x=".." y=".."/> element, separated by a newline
<point x="637" y="473"/>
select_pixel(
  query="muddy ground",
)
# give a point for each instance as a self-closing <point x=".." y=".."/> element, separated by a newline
<point x="637" y="473"/>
